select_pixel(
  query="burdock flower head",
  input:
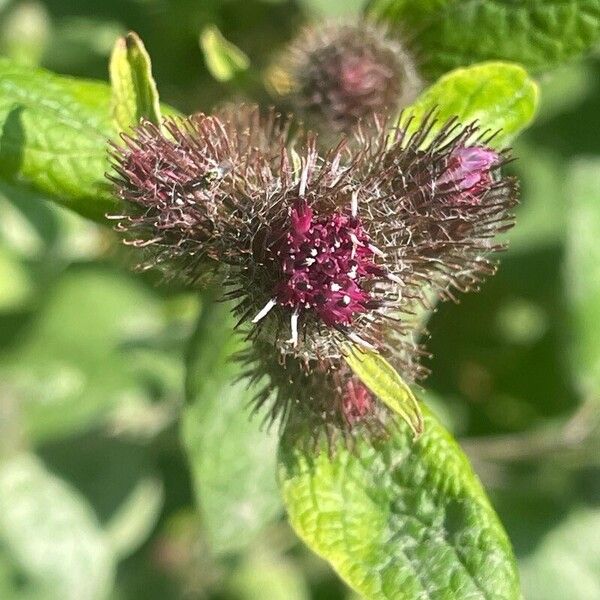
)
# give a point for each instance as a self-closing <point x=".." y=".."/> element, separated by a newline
<point x="319" y="251"/>
<point x="338" y="74"/>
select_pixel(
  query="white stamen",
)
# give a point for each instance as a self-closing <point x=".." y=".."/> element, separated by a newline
<point x="141" y="244"/>
<point x="375" y="250"/>
<point x="294" y="325"/>
<point x="355" y="244"/>
<point x="313" y="252"/>
<point x="357" y="339"/>
<point x="335" y="287"/>
<point x="354" y="204"/>
<point x="303" y="180"/>
<point x="336" y="162"/>
<point x="265" y="311"/>
<point x="346" y="299"/>
<point x="309" y="261"/>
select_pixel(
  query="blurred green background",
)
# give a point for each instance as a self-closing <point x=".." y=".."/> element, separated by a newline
<point x="92" y="357"/>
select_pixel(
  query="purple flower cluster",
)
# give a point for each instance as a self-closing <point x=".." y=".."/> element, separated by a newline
<point x="316" y="248"/>
<point x="324" y="265"/>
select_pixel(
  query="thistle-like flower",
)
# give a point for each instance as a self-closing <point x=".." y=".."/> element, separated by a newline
<point x="338" y="74"/>
<point x="317" y="250"/>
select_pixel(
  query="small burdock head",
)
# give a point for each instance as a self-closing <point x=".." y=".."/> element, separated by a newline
<point x="316" y="249"/>
<point x="338" y="74"/>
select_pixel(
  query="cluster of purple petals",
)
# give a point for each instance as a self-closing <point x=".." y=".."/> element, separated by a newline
<point x="325" y="262"/>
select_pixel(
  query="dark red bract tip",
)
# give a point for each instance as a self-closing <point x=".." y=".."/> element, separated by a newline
<point x="357" y="401"/>
<point x="325" y="262"/>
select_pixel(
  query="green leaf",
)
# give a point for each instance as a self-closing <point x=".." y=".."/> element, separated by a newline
<point x="387" y="385"/>
<point x="16" y="286"/>
<point x="74" y="364"/>
<point x="24" y="32"/>
<point x="134" y="91"/>
<point x="233" y="460"/>
<point x="223" y="59"/>
<point x="53" y="135"/>
<point x="119" y="479"/>
<point x="51" y="533"/>
<point x="583" y="272"/>
<point x="398" y="519"/>
<point x="566" y="562"/>
<point x="78" y="42"/>
<point x="10" y="586"/>
<point x="263" y="574"/>
<point x="135" y="519"/>
<point x="542" y="210"/>
<point x="320" y="9"/>
<point x="564" y="89"/>
<point x="450" y="33"/>
<point x="500" y="96"/>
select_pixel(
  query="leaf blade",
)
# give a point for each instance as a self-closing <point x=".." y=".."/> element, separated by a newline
<point x="582" y="272"/>
<point x="134" y="520"/>
<point x="385" y="382"/>
<point x="398" y="519"/>
<point x="223" y="59"/>
<point x="232" y="460"/>
<point x="500" y="96"/>
<point x="54" y="135"/>
<point x="134" y="92"/>
<point x="52" y="533"/>
<point x="63" y="380"/>
<point x="564" y="564"/>
<point x="451" y="33"/>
